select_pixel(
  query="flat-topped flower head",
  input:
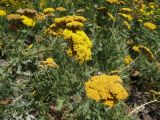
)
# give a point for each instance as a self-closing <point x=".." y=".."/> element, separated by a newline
<point x="70" y="28"/>
<point x="106" y="88"/>
<point x="48" y="10"/>
<point x="28" y="21"/>
<point x="61" y="9"/>
<point x="150" y="25"/>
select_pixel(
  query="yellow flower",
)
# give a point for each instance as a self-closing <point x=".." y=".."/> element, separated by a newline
<point x="126" y="9"/>
<point x="13" y="17"/>
<point x="115" y="1"/>
<point x="82" y="53"/>
<point x="81" y="45"/>
<point x="67" y="34"/>
<point x="127" y="25"/>
<point x="48" y="63"/>
<point x="30" y="46"/>
<point x="70" y="28"/>
<point x="48" y="10"/>
<point x="28" y="21"/>
<point x="40" y="17"/>
<point x="112" y="1"/>
<point x="106" y="88"/>
<point x="136" y="49"/>
<point x="68" y="19"/>
<point x="3" y="13"/>
<point x="61" y="9"/>
<point x="150" y="25"/>
<point x="79" y="19"/>
<point x="111" y="16"/>
<point x="74" y="25"/>
<point x="128" y="59"/>
<point x="147" y="52"/>
<point x="128" y="17"/>
<point x="49" y="60"/>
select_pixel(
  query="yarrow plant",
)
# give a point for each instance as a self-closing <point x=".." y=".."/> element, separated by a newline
<point x="106" y="88"/>
<point x="70" y="27"/>
<point x="116" y="37"/>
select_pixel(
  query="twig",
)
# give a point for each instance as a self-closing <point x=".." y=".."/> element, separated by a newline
<point x="139" y="107"/>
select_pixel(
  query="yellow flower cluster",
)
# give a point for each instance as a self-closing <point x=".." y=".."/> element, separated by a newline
<point x="150" y="25"/>
<point x="28" y="21"/>
<point x="147" y="10"/>
<point x="145" y="50"/>
<point x="126" y="9"/>
<point x="48" y="10"/>
<point x="48" y="63"/>
<point x="127" y="16"/>
<point x="70" y="27"/>
<point x="127" y="59"/>
<point x="127" y="24"/>
<point x="61" y="9"/>
<point x="106" y="88"/>
<point x="27" y="16"/>
<point x="80" y="45"/>
<point x="140" y="11"/>
<point x="68" y="19"/>
<point x="115" y="2"/>
<point x="69" y="22"/>
<point x="13" y="3"/>
<point x="2" y="13"/>
<point x="51" y="9"/>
